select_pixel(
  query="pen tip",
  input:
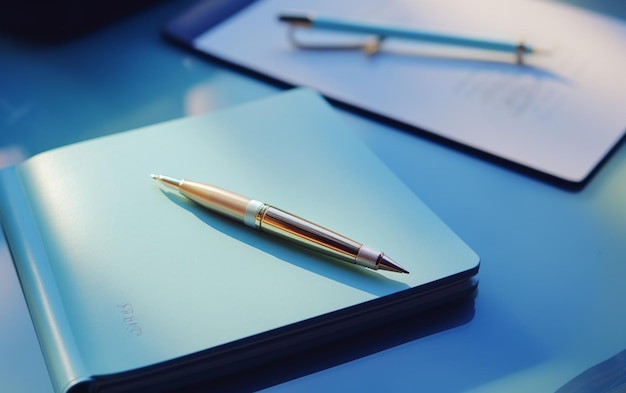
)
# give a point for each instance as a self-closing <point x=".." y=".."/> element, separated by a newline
<point x="386" y="263"/>
<point x="169" y="181"/>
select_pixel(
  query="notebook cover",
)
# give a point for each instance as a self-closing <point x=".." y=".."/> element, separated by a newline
<point x="121" y="274"/>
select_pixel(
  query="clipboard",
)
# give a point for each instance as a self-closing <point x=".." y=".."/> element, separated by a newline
<point x="558" y="117"/>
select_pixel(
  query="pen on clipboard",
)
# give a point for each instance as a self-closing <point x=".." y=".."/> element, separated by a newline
<point x="381" y="32"/>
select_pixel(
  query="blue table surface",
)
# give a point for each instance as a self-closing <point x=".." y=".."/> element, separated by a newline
<point x="552" y="279"/>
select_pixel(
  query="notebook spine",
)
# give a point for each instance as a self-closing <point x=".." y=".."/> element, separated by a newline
<point x="39" y="285"/>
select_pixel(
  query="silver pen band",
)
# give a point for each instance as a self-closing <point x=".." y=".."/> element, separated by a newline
<point x="251" y="215"/>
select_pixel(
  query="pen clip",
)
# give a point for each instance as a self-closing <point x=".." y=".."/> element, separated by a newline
<point x="369" y="46"/>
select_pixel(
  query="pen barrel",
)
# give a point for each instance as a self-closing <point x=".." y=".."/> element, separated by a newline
<point x="281" y="223"/>
<point x="217" y="199"/>
<point x="308" y="234"/>
<point x="384" y="31"/>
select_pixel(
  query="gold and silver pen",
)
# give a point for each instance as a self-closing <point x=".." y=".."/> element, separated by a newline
<point x="280" y="223"/>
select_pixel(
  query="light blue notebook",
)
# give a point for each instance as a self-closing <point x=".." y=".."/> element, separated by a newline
<point x="131" y="286"/>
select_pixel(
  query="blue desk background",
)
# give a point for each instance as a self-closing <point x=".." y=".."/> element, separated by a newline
<point x="551" y="301"/>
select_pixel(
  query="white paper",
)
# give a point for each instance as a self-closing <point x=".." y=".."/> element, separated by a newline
<point x="560" y="113"/>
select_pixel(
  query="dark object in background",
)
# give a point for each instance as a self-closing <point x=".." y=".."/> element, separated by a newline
<point x="57" y="20"/>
